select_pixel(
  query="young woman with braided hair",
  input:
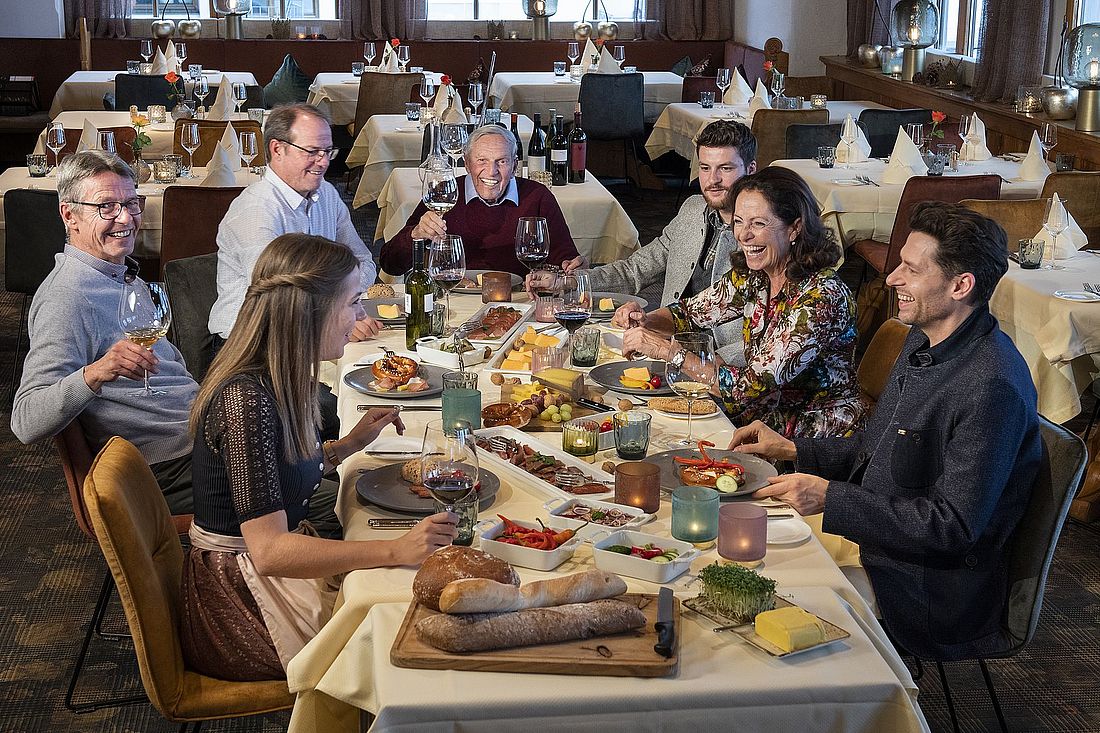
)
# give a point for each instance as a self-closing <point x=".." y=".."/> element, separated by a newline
<point x="256" y="583"/>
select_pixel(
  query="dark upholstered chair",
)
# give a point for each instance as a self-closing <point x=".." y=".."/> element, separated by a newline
<point x="613" y="109"/>
<point x="770" y="128"/>
<point x="192" y="215"/>
<point x="874" y="368"/>
<point x="383" y="94"/>
<point x="1081" y="190"/>
<point x="133" y="89"/>
<point x="210" y="133"/>
<point x="192" y="286"/>
<point x="139" y="542"/>
<point x="124" y="141"/>
<point x="695" y="84"/>
<point x="1021" y="218"/>
<point x="881" y="126"/>
<point x="802" y="141"/>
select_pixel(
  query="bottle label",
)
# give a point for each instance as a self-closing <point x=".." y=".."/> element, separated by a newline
<point x="578" y="153"/>
<point x="536" y="163"/>
<point x="559" y="156"/>
<point x="429" y="304"/>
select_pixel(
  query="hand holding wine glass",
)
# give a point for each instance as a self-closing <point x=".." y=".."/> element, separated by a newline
<point x="693" y="375"/>
<point x="532" y="241"/>
<point x="449" y="462"/>
<point x="144" y="315"/>
<point x="573" y="307"/>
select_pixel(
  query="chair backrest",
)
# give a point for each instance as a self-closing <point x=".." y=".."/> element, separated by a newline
<point x="881" y="126"/>
<point x="770" y="128"/>
<point x="124" y="141"/>
<point x="1031" y="547"/>
<point x="193" y="288"/>
<point x="383" y="94"/>
<point x="695" y="84"/>
<point x="1082" y="193"/>
<point x="1021" y="218"/>
<point x="76" y="460"/>
<point x="878" y="359"/>
<point x="35" y="233"/>
<point x="131" y="523"/>
<point x="949" y="189"/>
<point x="802" y="141"/>
<point x="133" y="89"/>
<point x="613" y="106"/>
<point x="210" y="132"/>
<point x="192" y="215"/>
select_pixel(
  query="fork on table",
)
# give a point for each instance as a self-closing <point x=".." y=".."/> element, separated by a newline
<point x="867" y="181"/>
<point x="1092" y="288"/>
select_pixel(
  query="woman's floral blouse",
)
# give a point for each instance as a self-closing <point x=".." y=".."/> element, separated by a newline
<point x="799" y="377"/>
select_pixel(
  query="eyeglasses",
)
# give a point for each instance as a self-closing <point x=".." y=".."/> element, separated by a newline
<point x="315" y="153"/>
<point x="109" y="210"/>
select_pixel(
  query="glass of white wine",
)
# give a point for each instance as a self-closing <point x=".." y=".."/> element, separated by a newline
<point x="190" y="141"/>
<point x="144" y="315"/>
<point x="695" y="375"/>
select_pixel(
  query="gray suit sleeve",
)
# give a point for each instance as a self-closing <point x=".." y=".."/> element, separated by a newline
<point x="644" y="267"/>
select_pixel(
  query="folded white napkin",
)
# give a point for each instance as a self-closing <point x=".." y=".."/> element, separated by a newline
<point x="454" y="115"/>
<point x="160" y="63"/>
<point x="607" y="64"/>
<point x="905" y="160"/>
<point x="1034" y="166"/>
<point x="232" y="145"/>
<point x="445" y="96"/>
<point x="758" y="102"/>
<point x="1069" y="241"/>
<point x="219" y="171"/>
<point x="170" y="58"/>
<point x="89" y="138"/>
<point x="389" y="63"/>
<point x="223" y="106"/>
<point x="590" y="56"/>
<point x="739" y="91"/>
<point x="860" y="149"/>
<point x="974" y="146"/>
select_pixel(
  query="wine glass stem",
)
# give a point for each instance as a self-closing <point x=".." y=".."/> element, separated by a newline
<point x="148" y="390"/>
<point x="190" y="162"/>
<point x="447" y="318"/>
<point x="691" y="402"/>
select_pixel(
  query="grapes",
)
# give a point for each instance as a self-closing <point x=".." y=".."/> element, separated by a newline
<point x="556" y="417"/>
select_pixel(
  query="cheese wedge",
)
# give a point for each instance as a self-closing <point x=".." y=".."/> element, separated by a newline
<point x="607" y="304"/>
<point x="389" y="311"/>
<point x="564" y="380"/>
<point x="545" y="339"/>
<point x="529" y="336"/>
<point x="640" y="374"/>
<point x="514" y="365"/>
<point x="790" y="628"/>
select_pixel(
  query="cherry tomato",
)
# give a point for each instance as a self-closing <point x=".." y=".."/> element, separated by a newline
<point x="655" y="381"/>
<point x="606" y="426"/>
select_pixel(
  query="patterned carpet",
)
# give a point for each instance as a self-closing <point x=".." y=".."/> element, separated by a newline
<point x="51" y="576"/>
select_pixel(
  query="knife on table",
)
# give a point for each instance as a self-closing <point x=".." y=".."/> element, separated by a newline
<point x="666" y="629"/>
<point x="404" y="408"/>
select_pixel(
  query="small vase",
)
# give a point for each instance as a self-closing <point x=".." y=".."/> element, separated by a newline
<point x="182" y="111"/>
<point x="141" y="169"/>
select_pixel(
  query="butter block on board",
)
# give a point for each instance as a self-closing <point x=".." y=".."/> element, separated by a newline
<point x="790" y="628"/>
<point x="566" y="381"/>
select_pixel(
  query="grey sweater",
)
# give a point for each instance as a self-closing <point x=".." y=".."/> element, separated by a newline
<point x="73" y="322"/>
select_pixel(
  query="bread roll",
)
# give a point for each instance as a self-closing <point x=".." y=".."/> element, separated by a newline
<point x="476" y="632"/>
<point x="380" y="290"/>
<point x="478" y="595"/>
<point x="454" y="562"/>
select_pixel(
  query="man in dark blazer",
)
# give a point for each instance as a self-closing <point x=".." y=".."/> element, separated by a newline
<point x="935" y="486"/>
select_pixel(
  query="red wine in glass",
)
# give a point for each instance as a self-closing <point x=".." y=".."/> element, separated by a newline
<point x="450" y="488"/>
<point x="571" y="320"/>
<point x="447" y="280"/>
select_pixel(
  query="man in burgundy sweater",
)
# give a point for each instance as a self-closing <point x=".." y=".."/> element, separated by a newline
<point x="487" y="212"/>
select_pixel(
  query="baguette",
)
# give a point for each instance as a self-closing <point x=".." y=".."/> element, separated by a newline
<point x="481" y="595"/>
<point x="477" y="632"/>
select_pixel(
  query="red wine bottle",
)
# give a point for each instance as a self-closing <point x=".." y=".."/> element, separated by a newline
<point x="536" y="149"/>
<point x="578" y="148"/>
<point x="559" y="153"/>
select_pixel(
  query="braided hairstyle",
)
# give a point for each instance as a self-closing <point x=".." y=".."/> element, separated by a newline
<point x="295" y="287"/>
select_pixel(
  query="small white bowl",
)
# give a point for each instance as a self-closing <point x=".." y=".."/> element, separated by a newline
<point x="525" y="557"/>
<point x="636" y="567"/>
<point x="426" y="349"/>
<point x="559" y="506"/>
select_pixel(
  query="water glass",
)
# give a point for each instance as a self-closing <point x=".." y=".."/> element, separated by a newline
<point x="491" y="116"/>
<point x="936" y="164"/>
<point x="950" y="155"/>
<point x="256" y="114"/>
<point x="632" y="434"/>
<point x="145" y="68"/>
<point x="412" y="111"/>
<point x="133" y="67"/>
<point x="559" y="68"/>
<point x="157" y="113"/>
<point x="357" y="68"/>
<point x="638" y="484"/>
<point x="1030" y="253"/>
<point x="461" y="399"/>
<point x="38" y="165"/>
<point x="826" y="156"/>
<point x="547" y="357"/>
<point x="695" y="514"/>
<point x="586" y="347"/>
<point x="575" y="72"/>
<point x="742" y="532"/>
<point x="466" y="510"/>
<point x="164" y="171"/>
<point x="194" y="71"/>
<point x="818" y="101"/>
<point x="630" y="69"/>
<point x="706" y="99"/>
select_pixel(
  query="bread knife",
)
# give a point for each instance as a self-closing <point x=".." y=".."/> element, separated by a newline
<point x="666" y="629"/>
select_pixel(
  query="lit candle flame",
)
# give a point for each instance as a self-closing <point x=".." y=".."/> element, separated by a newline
<point x="1094" y="71"/>
<point x="914" y="33"/>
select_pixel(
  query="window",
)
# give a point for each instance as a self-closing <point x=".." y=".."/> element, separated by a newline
<point x="150" y="8"/>
<point x="286" y="8"/>
<point x="960" y="21"/>
<point x="261" y="9"/>
<point x="1088" y="11"/>
<point x="569" y="10"/>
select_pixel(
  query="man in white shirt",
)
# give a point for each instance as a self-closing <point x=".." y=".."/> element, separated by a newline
<point x="293" y="196"/>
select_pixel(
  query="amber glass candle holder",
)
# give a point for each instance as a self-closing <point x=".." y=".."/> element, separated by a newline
<point x="496" y="287"/>
<point x="638" y="484"/>
<point x="742" y="532"/>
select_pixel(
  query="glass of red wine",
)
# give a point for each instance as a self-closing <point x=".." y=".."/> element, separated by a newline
<point x="449" y="465"/>
<point x="532" y="241"/>
<point x="447" y="265"/>
<point x="573" y="307"/>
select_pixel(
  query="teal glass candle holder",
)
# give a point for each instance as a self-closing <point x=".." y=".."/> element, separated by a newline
<point x="695" y="514"/>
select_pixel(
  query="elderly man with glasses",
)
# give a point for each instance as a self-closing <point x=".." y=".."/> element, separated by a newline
<point x="80" y="365"/>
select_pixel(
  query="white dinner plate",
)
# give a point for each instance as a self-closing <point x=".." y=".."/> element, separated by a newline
<point x="787" y="531"/>
<point x="683" y="415"/>
<point x="1077" y="296"/>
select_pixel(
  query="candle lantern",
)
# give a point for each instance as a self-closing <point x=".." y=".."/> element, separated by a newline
<point x="638" y="484"/>
<point x="234" y="11"/>
<point x="916" y="27"/>
<point x="539" y="11"/>
<point x="581" y="437"/>
<point x="742" y="532"/>
<point x="695" y="514"/>
<point x="496" y="287"/>
<point x="1082" y="60"/>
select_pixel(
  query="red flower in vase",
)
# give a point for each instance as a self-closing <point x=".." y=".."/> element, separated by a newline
<point x="937" y="118"/>
<point x="171" y="77"/>
<point x="768" y="65"/>
<point x="445" y="80"/>
<point x="395" y="42"/>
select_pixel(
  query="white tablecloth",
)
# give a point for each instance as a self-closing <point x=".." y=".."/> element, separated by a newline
<point x="85" y="89"/>
<point x="722" y="684"/>
<point x="598" y="223"/>
<point x="528" y="92"/>
<point x="391" y="141"/>
<point x="679" y="123"/>
<point x="337" y="94"/>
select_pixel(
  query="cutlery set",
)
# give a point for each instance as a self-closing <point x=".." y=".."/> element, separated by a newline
<point x="866" y="181"/>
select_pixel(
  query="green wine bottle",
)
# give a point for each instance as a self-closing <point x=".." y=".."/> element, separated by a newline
<point x="419" y="298"/>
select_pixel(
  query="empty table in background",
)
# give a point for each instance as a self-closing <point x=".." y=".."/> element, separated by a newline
<point x="337" y="94"/>
<point x="528" y="92"/>
<point x="85" y="89"/>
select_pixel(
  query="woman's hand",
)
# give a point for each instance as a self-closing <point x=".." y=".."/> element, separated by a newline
<point x="628" y="315"/>
<point x="370" y="426"/>
<point x="433" y="532"/>
<point x="758" y="439"/>
<point x="647" y="343"/>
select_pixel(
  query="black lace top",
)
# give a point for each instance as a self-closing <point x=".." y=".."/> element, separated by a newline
<point x="238" y="466"/>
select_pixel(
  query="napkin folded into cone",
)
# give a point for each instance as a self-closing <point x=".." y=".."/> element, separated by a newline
<point x="445" y="96"/>
<point x="219" y="171"/>
<point x="454" y="115"/>
<point x="389" y="62"/>
<point x="905" y="160"/>
<point x="89" y="138"/>
<point x="1069" y="241"/>
<point x="171" y="60"/>
<point x="589" y="56"/>
<point x="607" y="64"/>
<point x="739" y="91"/>
<point x="758" y="102"/>
<point x="1034" y="166"/>
<point x="222" y="108"/>
<point x="974" y="146"/>
<point x="232" y="145"/>
<point x="857" y="152"/>
<point x="160" y="63"/>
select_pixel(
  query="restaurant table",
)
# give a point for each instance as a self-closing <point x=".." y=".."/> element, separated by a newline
<point x="679" y="123"/>
<point x="336" y="93"/>
<point x="856" y="211"/>
<point x="148" y="240"/>
<point x="392" y="141"/>
<point x="859" y="684"/>
<point x="598" y="223"/>
<point x="85" y="89"/>
<point x="528" y="92"/>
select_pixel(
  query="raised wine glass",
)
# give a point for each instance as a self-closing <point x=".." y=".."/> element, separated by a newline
<point x="454" y="142"/>
<point x="403" y="56"/>
<point x="573" y="307"/>
<point x="695" y="376"/>
<point x="1048" y="137"/>
<point x="532" y="241"/>
<point x="240" y="95"/>
<point x="147" y="50"/>
<point x="369" y="52"/>
<point x="248" y="147"/>
<point x="447" y="266"/>
<point x="573" y="52"/>
<point x="722" y="80"/>
<point x="1057" y="221"/>
<point x="202" y="91"/>
<point x="190" y="141"/>
<point x="144" y="315"/>
<point x="475" y="95"/>
<point x="55" y="141"/>
<point x="448" y="462"/>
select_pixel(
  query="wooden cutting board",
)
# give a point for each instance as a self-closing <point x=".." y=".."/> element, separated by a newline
<point x="631" y="653"/>
<point x="547" y="426"/>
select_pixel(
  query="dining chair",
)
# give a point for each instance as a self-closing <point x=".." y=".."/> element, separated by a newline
<point x="1081" y="190"/>
<point x="210" y="133"/>
<point x="874" y="368"/>
<point x="613" y="109"/>
<point x="803" y="140"/>
<point x="136" y="535"/>
<point x="124" y="141"/>
<point x="770" y="128"/>
<point x="192" y="286"/>
<point x="382" y="93"/>
<point x="135" y="89"/>
<point x="881" y="126"/>
<point x="191" y="217"/>
<point x="1020" y="218"/>
<point x="695" y="84"/>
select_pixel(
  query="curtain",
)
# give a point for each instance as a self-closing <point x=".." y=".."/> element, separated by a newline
<point x="1008" y="54"/>
<point x="688" y="20"/>
<point x="106" y="18"/>
<point x="867" y="24"/>
<point x="383" y="19"/>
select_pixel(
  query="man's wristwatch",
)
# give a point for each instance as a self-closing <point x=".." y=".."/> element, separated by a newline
<point x="676" y="361"/>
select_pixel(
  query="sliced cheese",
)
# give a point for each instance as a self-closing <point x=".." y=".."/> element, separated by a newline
<point x="790" y="628"/>
<point x="515" y="365"/>
<point x="607" y="304"/>
<point x="389" y="311"/>
<point x="640" y="374"/>
<point x="529" y="336"/>
<point x="545" y="339"/>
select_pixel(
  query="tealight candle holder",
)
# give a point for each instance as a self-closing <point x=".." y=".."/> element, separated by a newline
<point x="496" y="287"/>
<point x="638" y="484"/>
<point x="157" y="113"/>
<point x="742" y="532"/>
<point x="544" y="309"/>
<point x="695" y="514"/>
<point x="581" y="437"/>
<point x="164" y="171"/>
<point x="818" y="101"/>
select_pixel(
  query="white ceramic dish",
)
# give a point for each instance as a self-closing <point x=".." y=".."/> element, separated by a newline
<point x="788" y="531"/>
<point x="526" y="310"/>
<point x="636" y="567"/>
<point x="1077" y="296"/>
<point x="497" y="361"/>
<point x="525" y="557"/>
<point x="559" y="506"/>
<point x="518" y="474"/>
<point x="428" y="353"/>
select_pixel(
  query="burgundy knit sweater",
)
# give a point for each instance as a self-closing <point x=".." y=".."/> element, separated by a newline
<point x="489" y="232"/>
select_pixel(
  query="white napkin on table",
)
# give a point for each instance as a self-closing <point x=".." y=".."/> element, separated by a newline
<point x="223" y="106"/>
<point x="389" y="63"/>
<point x="454" y="115"/>
<point x="607" y="64"/>
<point x="160" y="63"/>
<point x="1034" y="166"/>
<point x="89" y="138"/>
<point x="445" y="95"/>
<point x="232" y="145"/>
<point x="170" y="58"/>
<point x="974" y="146"/>
<point x="905" y="160"/>
<point x="219" y="171"/>
<point x="590" y="52"/>
<point x="1069" y="241"/>
<point x="739" y="91"/>
<point x="758" y="102"/>
<point x="860" y="150"/>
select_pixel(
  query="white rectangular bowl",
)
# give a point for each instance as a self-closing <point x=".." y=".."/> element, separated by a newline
<point x="557" y="506"/>
<point x="519" y="474"/>
<point x="636" y="567"/>
<point x="525" y="557"/>
<point x="526" y="310"/>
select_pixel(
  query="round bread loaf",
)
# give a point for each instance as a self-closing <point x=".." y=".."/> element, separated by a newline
<point x="379" y="290"/>
<point x="454" y="563"/>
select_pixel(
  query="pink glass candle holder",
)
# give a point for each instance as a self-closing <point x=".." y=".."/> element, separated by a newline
<point x="638" y="484"/>
<point x="742" y="532"/>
